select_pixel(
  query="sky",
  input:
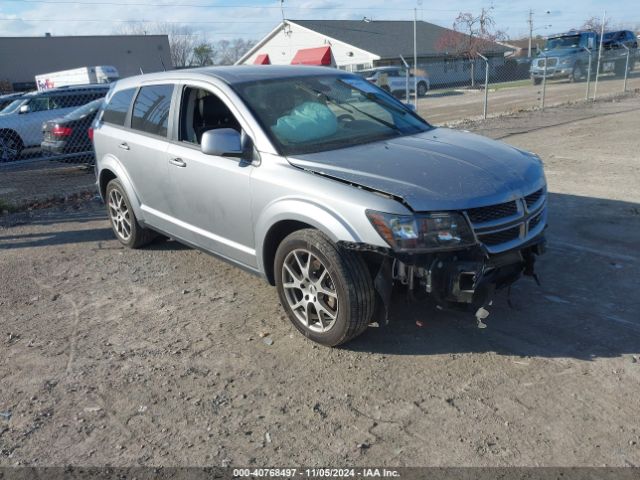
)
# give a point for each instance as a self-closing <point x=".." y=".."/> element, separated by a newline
<point x="252" y="19"/>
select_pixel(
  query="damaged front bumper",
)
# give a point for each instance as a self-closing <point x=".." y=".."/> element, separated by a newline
<point x="462" y="279"/>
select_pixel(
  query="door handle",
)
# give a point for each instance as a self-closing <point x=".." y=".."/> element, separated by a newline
<point x="124" y="146"/>
<point x="178" y="162"/>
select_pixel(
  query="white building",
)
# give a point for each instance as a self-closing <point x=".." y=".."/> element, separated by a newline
<point x="361" y="44"/>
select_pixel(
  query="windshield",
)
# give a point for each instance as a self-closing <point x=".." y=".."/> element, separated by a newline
<point x="85" y="110"/>
<point x="13" y="106"/>
<point x="572" y="41"/>
<point x="320" y="113"/>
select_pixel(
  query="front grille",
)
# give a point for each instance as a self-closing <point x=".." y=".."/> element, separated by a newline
<point x="492" y="212"/>
<point x="533" y="198"/>
<point x="533" y="223"/>
<point x="551" y="62"/>
<point x="503" y="236"/>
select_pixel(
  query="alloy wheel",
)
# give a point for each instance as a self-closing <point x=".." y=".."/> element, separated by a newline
<point x="310" y="290"/>
<point x="119" y="213"/>
<point x="8" y="149"/>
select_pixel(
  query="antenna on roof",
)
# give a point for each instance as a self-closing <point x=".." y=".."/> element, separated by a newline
<point x="366" y="19"/>
<point x="164" y="69"/>
<point x="141" y="72"/>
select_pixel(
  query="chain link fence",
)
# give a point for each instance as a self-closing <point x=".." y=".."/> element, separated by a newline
<point x="50" y="130"/>
<point x="472" y="88"/>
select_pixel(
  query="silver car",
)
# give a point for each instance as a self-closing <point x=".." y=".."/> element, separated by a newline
<point x="323" y="184"/>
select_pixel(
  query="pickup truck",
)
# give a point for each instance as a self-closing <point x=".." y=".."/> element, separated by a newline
<point x="567" y="55"/>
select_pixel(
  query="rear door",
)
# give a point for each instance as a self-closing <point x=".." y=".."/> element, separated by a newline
<point x="142" y="149"/>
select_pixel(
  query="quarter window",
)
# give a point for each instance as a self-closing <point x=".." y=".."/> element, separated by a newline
<point x="151" y="109"/>
<point x="116" y="110"/>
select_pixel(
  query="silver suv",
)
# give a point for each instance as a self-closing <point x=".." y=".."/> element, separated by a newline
<point x="322" y="183"/>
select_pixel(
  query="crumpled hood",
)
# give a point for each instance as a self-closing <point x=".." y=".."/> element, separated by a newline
<point x="441" y="169"/>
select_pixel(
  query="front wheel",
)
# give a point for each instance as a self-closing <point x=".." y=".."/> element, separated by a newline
<point x="536" y="80"/>
<point x="10" y="146"/>
<point x="123" y="221"/>
<point x="327" y="291"/>
<point x="422" y="89"/>
<point x="577" y="73"/>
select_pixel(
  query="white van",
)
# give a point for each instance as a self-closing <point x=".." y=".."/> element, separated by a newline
<point x="77" y="76"/>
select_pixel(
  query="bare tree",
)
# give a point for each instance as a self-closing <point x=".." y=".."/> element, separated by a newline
<point x="182" y="39"/>
<point x="228" y="52"/>
<point x="471" y="35"/>
<point x="595" y="24"/>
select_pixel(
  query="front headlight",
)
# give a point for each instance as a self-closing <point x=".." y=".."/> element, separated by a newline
<point x="426" y="232"/>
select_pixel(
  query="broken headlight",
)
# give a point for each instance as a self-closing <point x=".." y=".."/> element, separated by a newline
<point x="426" y="232"/>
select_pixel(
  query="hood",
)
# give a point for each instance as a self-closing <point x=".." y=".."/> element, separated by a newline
<point x="441" y="169"/>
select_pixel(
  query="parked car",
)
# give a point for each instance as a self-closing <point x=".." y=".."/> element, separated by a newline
<point x="67" y="139"/>
<point x="567" y="55"/>
<point x="7" y="99"/>
<point x="394" y="80"/>
<point x="22" y="128"/>
<point x="322" y="183"/>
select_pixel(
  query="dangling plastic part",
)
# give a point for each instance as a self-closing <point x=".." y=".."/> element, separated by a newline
<point x="481" y="314"/>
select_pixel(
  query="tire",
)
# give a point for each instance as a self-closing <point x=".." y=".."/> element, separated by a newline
<point x="11" y="146"/>
<point x="422" y="89"/>
<point x="307" y="264"/>
<point x="619" y="68"/>
<point x="122" y="218"/>
<point x="536" y="81"/>
<point x="577" y="74"/>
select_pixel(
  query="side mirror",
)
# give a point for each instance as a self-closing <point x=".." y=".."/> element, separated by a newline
<point x="224" y="142"/>
<point x="24" y="109"/>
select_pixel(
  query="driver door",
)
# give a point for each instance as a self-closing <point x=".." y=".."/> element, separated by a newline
<point x="209" y="195"/>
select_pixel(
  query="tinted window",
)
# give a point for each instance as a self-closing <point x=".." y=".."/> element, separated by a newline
<point x="116" y="110"/>
<point x="151" y="109"/>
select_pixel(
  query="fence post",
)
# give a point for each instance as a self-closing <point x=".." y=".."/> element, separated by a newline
<point x="544" y="82"/>
<point x="586" y="97"/>
<point x="486" y="84"/>
<point x="406" y="83"/>
<point x="626" y="69"/>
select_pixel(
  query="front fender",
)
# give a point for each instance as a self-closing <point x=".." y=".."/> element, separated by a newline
<point x="319" y="216"/>
<point x="111" y="163"/>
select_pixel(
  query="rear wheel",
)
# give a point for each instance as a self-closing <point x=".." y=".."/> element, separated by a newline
<point x="536" y="81"/>
<point x="422" y="89"/>
<point x="327" y="291"/>
<point x="10" y="146"/>
<point x="123" y="221"/>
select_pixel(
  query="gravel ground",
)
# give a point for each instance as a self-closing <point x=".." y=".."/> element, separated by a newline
<point x="158" y="356"/>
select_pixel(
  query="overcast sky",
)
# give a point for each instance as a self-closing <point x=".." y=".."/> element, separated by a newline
<point x="217" y="19"/>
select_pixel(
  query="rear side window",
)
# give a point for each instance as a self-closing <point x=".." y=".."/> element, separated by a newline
<point x="151" y="109"/>
<point x="116" y="110"/>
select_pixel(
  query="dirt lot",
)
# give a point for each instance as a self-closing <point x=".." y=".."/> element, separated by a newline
<point x="155" y="357"/>
<point x="441" y="106"/>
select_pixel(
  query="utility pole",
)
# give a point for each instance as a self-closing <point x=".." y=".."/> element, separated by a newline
<point x="415" y="55"/>
<point x="530" y="21"/>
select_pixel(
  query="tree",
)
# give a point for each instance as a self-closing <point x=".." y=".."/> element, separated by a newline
<point x="595" y="24"/>
<point x="202" y="55"/>
<point x="471" y="35"/>
<point x="228" y="52"/>
<point x="182" y="39"/>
